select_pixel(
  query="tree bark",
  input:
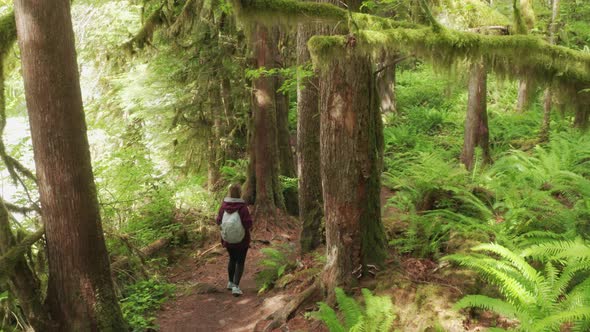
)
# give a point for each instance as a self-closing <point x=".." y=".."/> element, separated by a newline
<point x="581" y="117"/>
<point x="386" y="87"/>
<point x="215" y="150"/>
<point x="476" y="122"/>
<point x="80" y="290"/>
<point x="286" y="159"/>
<point x="308" y="148"/>
<point x="545" y="126"/>
<point x="524" y="97"/>
<point x="268" y="194"/>
<point x="547" y="96"/>
<point x="351" y="145"/>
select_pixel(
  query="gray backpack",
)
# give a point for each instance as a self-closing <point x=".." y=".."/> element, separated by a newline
<point x="232" y="230"/>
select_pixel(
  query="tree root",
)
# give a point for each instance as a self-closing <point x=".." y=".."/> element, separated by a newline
<point x="282" y="315"/>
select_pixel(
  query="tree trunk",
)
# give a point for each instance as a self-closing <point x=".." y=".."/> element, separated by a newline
<point x="80" y="290"/>
<point x="545" y="127"/>
<point x="286" y="160"/>
<point x="351" y="143"/>
<point x="215" y="150"/>
<point x="308" y="149"/>
<point x="581" y="117"/>
<point x="476" y="122"/>
<point x="524" y="97"/>
<point x="386" y="87"/>
<point x="268" y="194"/>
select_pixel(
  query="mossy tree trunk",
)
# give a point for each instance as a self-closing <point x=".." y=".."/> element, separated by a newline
<point x="80" y="292"/>
<point x="351" y="145"/>
<point x="268" y="192"/>
<point x="308" y="148"/>
<point x="476" y="121"/>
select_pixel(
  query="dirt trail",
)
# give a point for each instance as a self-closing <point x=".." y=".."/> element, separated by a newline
<point x="203" y="304"/>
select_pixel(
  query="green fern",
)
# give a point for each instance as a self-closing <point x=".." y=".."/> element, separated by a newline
<point x="276" y="263"/>
<point x="377" y="316"/>
<point x="541" y="300"/>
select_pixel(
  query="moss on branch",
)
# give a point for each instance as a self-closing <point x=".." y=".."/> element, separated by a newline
<point x="508" y="56"/>
<point x="10" y="258"/>
<point x="276" y="12"/>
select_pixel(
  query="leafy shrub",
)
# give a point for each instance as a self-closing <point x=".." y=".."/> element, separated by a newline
<point x="541" y="299"/>
<point x="376" y="316"/>
<point x="275" y="264"/>
<point x="141" y="300"/>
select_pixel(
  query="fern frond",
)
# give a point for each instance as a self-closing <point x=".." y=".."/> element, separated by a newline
<point x="518" y="262"/>
<point x="329" y="317"/>
<point x="559" y="250"/>
<point x="488" y="303"/>
<point x="379" y="312"/>
<point x="351" y="309"/>
<point x="501" y="274"/>
<point x="555" y="321"/>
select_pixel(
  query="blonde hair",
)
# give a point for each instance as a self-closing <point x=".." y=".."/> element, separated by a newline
<point x="235" y="190"/>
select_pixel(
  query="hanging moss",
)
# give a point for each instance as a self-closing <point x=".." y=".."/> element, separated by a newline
<point x="290" y="12"/>
<point x="508" y="56"/>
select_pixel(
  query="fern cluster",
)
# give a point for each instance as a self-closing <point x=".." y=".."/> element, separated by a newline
<point x="540" y="299"/>
<point x="275" y="264"/>
<point x="376" y="316"/>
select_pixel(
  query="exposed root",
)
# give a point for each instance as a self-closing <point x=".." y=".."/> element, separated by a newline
<point x="282" y="315"/>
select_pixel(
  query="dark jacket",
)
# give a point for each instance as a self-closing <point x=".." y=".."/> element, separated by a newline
<point x="231" y="205"/>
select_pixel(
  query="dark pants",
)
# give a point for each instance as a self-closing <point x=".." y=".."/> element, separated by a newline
<point x="237" y="260"/>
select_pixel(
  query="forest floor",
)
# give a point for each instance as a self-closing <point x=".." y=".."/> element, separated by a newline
<point x="421" y="290"/>
<point x="202" y="303"/>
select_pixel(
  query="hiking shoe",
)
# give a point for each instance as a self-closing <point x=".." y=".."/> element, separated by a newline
<point x="236" y="291"/>
<point x="230" y="285"/>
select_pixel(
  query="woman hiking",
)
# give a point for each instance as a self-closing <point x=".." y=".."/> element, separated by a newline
<point x="233" y="214"/>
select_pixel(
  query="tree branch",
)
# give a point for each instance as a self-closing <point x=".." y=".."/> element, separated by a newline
<point x="145" y="34"/>
<point x="10" y="258"/>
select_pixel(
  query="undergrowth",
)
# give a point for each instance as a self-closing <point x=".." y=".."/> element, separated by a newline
<point x="376" y="315"/>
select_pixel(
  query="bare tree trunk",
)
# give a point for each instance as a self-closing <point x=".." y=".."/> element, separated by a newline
<point x="80" y="290"/>
<point x="286" y="158"/>
<point x="351" y="151"/>
<point x="547" y="96"/>
<point x="386" y="87"/>
<point x="268" y="194"/>
<point x="308" y="149"/>
<point x="215" y="150"/>
<point x="476" y="122"/>
<point x="581" y="117"/>
<point x="545" y="126"/>
<point x="524" y="97"/>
